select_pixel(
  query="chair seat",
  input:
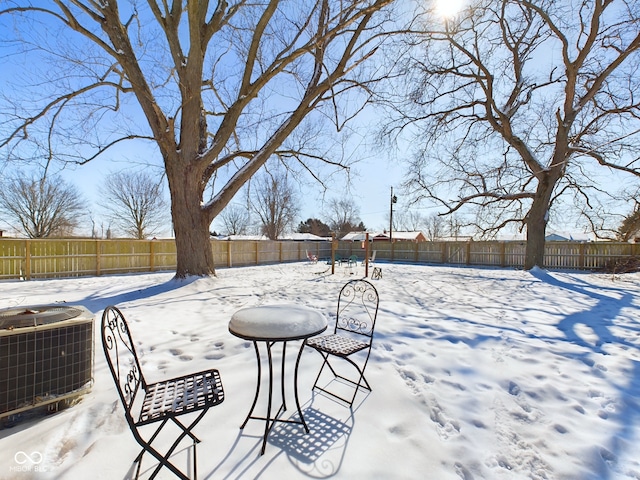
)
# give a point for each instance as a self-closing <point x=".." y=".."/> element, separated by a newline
<point x="181" y="395"/>
<point x="337" y="344"/>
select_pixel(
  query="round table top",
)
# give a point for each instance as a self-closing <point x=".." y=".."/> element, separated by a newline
<point x="277" y="323"/>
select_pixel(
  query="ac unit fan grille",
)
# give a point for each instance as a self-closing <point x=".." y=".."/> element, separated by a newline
<point x="34" y="316"/>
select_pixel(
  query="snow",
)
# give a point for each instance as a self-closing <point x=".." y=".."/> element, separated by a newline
<point x="476" y="374"/>
<point x="277" y="322"/>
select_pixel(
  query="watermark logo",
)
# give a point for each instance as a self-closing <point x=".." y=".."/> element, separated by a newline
<point x="28" y="462"/>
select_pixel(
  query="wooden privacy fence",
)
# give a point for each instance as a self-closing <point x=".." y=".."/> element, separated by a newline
<point x="55" y="258"/>
<point x="558" y="255"/>
<point x="52" y="258"/>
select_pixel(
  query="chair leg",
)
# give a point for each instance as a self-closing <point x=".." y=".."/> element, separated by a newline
<point x="324" y="362"/>
<point x="362" y="378"/>
<point x="163" y="462"/>
<point x="187" y="430"/>
<point x="361" y="372"/>
<point x="164" y="459"/>
<point x="357" y="384"/>
<point x="138" y="461"/>
<point x="195" y="461"/>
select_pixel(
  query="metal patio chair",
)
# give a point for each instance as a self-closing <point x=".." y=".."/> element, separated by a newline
<point x="372" y="258"/>
<point x="155" y="403"/>
<point x="351" y="339"/>
<point x="311" y="257"/>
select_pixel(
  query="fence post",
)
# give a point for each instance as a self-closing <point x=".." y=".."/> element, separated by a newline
<point x="98" y="260"/>
<point x="468" y="253"/>
<point x="229" y="262"/>
<point x="503" y="254"/>
<point x="27" y="259"/>
<point x="151" y="255"/>
<point x="366" y="254"/>
<point x="334" y="244"/>
<point x="256" y="252"/>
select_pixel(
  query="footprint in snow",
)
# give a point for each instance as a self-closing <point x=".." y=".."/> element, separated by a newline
<point x="445" y="426"/>
<point x="214" y="356"/>
<point x="514" y="389"/>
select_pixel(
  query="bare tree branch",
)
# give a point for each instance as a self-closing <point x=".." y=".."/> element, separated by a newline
<point x="42" y="207"/>
<point x="220" y="89"/>
<point x="514" y="102"/>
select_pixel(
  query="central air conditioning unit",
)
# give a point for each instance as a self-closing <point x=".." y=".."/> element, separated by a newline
<point x="46" y="356"/>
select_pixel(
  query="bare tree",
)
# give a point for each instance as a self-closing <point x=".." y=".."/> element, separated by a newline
<point x="275" y="202"/>
<point x="434" y="227"/>
<point x="516" y="104"/>
<point x="409" y="220"/>
<point x="454" y="226"/>
<point x="135" y="204"/>
<point x="222" y="87"/>
<point x="630" y="227"/>
<point x="235" y="219"/>
<point x="344" y="216"/>
<point x="42" y="207"/>
<point x="315" y="226"/>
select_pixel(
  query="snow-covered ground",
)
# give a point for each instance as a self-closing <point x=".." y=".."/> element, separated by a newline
<point x="476" y="374"/>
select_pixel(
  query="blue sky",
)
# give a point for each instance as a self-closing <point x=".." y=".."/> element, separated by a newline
<point x="373" y="174"/>
<point x="372" y="177"/>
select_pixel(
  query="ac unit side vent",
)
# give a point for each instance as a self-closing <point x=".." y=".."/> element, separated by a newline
<point x="40" y="365"/>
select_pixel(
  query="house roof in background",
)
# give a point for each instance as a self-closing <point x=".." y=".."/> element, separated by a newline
<point x="291" y="236"/>
<point x="361" y="236"/>
<point x="305" y="236"/>
<point x="356" y="236"/>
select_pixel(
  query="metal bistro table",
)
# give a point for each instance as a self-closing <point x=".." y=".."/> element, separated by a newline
<point x="271" y="324"/>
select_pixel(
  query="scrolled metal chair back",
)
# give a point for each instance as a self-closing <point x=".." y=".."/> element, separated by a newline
<point x="121" y="356"/>
<point x="357" y="308"/>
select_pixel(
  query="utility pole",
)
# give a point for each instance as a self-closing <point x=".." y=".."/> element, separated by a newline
<point x="394" y="199"/>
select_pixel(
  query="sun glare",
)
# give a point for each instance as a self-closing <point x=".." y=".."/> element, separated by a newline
<point x="449" y="8"/>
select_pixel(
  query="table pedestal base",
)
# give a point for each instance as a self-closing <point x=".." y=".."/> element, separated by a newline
<point x="269" y="420"/>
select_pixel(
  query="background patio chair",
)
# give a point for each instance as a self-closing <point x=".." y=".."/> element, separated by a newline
<point x="311" y="257"/>
<point x="156" y="403"/>
<point x="351" y="339"/>
<point x="372" y="259"/>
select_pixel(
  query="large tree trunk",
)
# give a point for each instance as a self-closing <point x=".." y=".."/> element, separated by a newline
<point x="193" y="243"/>
<point x="537" y="219"/>
<point x="536" y="230"/>
<point x="190" y="223"/>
